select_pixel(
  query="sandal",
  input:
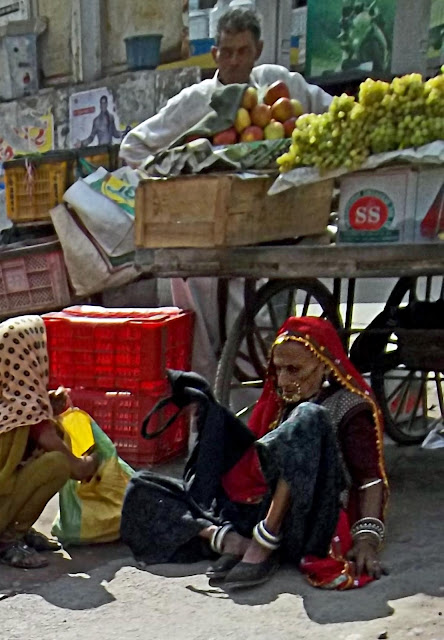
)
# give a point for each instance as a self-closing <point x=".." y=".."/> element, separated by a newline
<point x="20" y="556"/>
<point x="222" y="566"/>
<point x="39" y="542"/>
<point x="245" y="574"/>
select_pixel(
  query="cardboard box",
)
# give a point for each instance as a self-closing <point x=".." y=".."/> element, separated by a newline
<point x="349" y="40"/>
<point x="392" y="205"/>
<point x="225" y="209"/>
<point x="377" y="206"/>
<point x="429" y="213"/>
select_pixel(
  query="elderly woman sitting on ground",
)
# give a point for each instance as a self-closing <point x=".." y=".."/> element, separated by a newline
<point x="311" y="489"/>
<point x="34" y="461"/>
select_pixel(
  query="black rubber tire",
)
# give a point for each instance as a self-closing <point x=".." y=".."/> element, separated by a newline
<point x="227" y="368"/>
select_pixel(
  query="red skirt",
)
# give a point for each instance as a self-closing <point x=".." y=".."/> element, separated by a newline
<point x="335" y="571"/>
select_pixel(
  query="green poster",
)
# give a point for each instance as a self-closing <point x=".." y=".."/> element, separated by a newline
<point x="346" y="36"/>
<point x="436" y="30"/>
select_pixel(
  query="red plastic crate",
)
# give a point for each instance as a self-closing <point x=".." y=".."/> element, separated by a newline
<point x="32" y="278"/>
<point x="114" y="352"/>
<point x="120" y="415"/>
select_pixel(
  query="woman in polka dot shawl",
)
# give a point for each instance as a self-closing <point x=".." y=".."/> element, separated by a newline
<point x="34" y="461"/>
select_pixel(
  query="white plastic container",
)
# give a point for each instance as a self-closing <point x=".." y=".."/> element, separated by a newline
<point x="216" y="13"/>
<point x="242" y="4"/>
<point x="299" y="31"/>
<point x="198" y="25"/>
<point x="299" y="22"/>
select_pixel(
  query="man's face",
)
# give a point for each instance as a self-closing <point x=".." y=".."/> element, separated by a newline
<point x="103" y="105"/>
<point x="298" y="370"/>
<point x="236" y="55"/>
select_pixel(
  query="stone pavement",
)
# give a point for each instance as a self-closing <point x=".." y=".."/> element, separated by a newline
<point x="99" y="592"/>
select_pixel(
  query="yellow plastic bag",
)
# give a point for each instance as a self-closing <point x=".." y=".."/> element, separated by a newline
<point x="90" y="512"/>
<point x="77" y="425"/>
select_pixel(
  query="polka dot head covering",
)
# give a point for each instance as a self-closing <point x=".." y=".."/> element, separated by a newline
<point x="24" y="373"/>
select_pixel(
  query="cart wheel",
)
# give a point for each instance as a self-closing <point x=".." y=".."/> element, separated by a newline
<point x="411" y="401"/>
<point x="410" y="394"/>
<point x="243" y="362"/>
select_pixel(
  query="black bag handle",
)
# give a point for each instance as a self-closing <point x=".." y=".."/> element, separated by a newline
<point x="157" y="407"/>
<point x="183" y="395"/>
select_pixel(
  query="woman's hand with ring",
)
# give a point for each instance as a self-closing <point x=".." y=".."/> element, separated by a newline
<point x="364" y="555"/>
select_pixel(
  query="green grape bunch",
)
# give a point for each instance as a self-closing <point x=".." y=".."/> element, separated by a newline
<point x="407" y="112"/>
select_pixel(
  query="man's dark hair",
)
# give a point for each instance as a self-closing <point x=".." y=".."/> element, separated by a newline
<point x="104" y="98"/>
<point x="238" y="20"/>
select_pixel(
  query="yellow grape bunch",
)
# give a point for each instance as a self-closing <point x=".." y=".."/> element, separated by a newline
<point x="407" y="112"/>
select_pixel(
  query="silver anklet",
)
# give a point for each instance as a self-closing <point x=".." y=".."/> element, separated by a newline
<point x="218" y="537"/>
<point x="265" y="538"/>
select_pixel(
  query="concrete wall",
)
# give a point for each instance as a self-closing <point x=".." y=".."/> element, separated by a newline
<point x="55" y="43"/>
<point x="137" y="96"/>
<point x="119" y="18"/>
<point x="138" y="17"/>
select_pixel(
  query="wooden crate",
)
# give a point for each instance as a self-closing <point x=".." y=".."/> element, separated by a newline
<point x="226" y="210"/>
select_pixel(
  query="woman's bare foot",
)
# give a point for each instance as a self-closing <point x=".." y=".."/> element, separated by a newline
<point x="255" y="553"/>
<point x="235" y="543"/>
<point x="232" y="543"/>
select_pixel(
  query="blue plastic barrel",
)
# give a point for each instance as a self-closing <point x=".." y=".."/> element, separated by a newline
<point x="143" y="52"/>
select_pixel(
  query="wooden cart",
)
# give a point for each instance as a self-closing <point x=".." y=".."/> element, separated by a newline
<point x="304" y="280"/>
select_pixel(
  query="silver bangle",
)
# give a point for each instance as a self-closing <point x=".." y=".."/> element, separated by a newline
<point x="367" y="485"/>
<point x="373" y="524"/>
<point x="368" y="531"/>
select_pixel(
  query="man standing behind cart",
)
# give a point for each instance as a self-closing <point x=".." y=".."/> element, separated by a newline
<point x="238" y="46"/>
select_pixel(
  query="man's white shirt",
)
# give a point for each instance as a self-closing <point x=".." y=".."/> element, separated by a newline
<point x="189" y="106"/>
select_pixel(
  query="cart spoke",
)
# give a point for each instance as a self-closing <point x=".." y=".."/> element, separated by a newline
<point x="306" y="303"/>
<point x="405" y="390"/>
<point x="261" y="342"/>
<point x="394" y="393"/>
<point x="245" y="410"/>
<point x="236" y="385"/>
<point x="438" y="379"/>
<point x="273" y="317"/>
<point x="244" y="357"/>
<point x="291" y="304"/>
<point x="422" y="394"/>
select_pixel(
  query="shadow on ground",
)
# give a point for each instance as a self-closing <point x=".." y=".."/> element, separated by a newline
<point x="73" y="580"/>
<point x="414" y="556"/>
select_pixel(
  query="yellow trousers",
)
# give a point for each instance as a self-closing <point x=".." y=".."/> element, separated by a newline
<point x="26" y="490"/>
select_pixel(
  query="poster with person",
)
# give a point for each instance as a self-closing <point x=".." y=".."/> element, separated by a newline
<point x="93" y="119"/>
